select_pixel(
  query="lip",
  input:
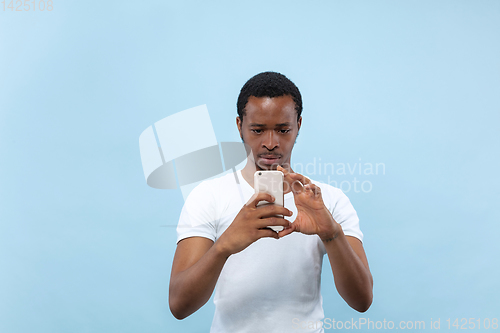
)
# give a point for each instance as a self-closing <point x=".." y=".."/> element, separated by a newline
<point x="269" y="159"/>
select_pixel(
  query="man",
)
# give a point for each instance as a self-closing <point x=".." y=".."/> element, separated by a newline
<point x="267" y="281"/>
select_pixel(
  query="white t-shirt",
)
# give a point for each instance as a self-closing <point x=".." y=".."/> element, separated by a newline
<point x="272" y="284"/>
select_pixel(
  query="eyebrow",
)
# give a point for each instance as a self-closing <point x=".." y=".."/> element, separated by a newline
<point x="277" y="125"/>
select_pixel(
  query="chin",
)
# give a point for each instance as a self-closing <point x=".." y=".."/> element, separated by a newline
<point x="266" y="167"/>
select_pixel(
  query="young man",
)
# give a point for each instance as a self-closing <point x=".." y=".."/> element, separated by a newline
<point x="267" y="281"/>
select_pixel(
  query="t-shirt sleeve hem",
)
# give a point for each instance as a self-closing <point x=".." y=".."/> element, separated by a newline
<point x="195" y="234"/>
<point x="354" y="234"/>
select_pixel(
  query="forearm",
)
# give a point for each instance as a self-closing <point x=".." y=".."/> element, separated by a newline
<point x="191" y="289"/>
<point x="352" y="277"/>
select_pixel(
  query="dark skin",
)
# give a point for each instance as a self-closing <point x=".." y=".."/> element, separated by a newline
<point x="269" y="129"/>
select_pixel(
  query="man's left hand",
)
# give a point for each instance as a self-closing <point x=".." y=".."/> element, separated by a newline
<point x="313" y="218"/>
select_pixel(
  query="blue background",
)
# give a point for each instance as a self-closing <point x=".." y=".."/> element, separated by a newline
<point x="411" y="84"/>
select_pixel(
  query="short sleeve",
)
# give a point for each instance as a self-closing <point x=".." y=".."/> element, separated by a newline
<point x="343" y="213"/>
<point x="198" y="215"/>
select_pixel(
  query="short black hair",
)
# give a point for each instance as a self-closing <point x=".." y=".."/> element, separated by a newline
<point x="268" y="84"/>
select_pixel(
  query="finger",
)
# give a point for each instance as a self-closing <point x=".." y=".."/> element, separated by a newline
<point x="301" y="178"/>
<point x="296" y="182"/>
<point x="272" y="221"/>
<point x="272" y="210"/>
<point x="296" y="186"/>
<point x="286" y="231"/>
<point x="286" y="180"/>
<point x="261" y="196"/>
<point x="285" y="171"/>
<point x="286" y="183"/>
<point x="266" y="232"/>
<point x="316" y="190"/>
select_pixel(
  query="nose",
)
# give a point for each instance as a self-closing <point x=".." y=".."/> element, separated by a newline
<point x="270" y="140"/>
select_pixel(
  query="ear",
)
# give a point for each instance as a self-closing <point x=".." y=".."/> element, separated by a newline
<point x="299" y="123"/>
<point x="238" y="123"/>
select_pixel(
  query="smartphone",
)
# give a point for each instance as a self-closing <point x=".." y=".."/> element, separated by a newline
<point x="270" y="182"/>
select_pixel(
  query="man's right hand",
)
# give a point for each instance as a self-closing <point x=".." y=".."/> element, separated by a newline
<point x="251" y="224"/>
<point x="198" y="261"/>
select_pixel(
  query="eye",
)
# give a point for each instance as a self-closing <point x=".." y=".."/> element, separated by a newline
<point x="284" y="131"/>
<point x="256" y="131"/>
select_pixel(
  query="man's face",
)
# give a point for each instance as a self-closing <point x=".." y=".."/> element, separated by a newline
<point x="269" y="128"/>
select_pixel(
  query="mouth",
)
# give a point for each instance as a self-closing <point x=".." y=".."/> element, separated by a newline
<point x="268" y="159"/>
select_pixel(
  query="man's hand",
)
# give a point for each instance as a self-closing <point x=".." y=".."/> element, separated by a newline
<point x="313" y="218"/>
<point x="198" y="261"/>
<point x="352" y="276"/>
<point x="251" y="224"/>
